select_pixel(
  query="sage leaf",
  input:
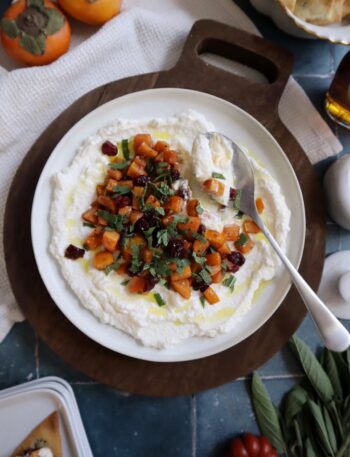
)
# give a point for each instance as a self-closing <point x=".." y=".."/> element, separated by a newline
<point x="10" y="28"/>
<point x="294" y="403"/>
<point x="266" y="414"/>
<point x="298" y="436"/>
<point x="330" y="429"/>
<point x="55" y="21"/>
<point x="332" y="371"/>
<point x="313" y="370"/>
<point x="344" y="372"/>
<point x="309" y="450"/>
<point x="320" y="427"/>
<point x="34" y="45"/>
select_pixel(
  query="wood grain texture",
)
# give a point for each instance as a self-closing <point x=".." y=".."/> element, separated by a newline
<point x="191" y="72"/>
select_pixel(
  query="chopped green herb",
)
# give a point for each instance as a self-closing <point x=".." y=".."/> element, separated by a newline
<point x="230" y="282"/>
<point x="160" y="166"/>
<point x="150" y="208"/>
<point x="159" y="299"/>
<point x="199" y="209"/>
<point x="118" y="165"/>
<point x="243" y="239"/>
<point x="198" y="236"/>
<point x="113" y="266"/>
<point x="121" y="190"/>
<point x="125" y="149"/>
<point x="180" y="264"/>
<point x="163" y="282"/>
<point x="135" y="258"/>
<point x="202" y="300"/>
<point x="198" y="259"/>
<point x="217" y="175"/>
<point x="142" y="199"/>
<point x="163" y="190"/>
<point x="148" y="235"/>
<point x="205" y="276"/>
<point x="237" y="200"/>
<point x="116" y="221"/>
<point x="125" y="282"/>
<point x="239" y="215"/>
<point x="87" y="224"/>
<point x="163" y="237"/>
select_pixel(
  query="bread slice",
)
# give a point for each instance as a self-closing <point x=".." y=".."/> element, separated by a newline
<point x="48" y="431"/>
<point x="321" y="12"/>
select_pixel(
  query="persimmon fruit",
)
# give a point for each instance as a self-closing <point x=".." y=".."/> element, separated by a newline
<point x="93" y="12"/>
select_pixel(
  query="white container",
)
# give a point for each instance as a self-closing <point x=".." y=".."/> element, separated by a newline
<point x="23" y="407"/>
<point x="289" y="23"/>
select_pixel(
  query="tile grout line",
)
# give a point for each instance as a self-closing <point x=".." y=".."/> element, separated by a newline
<point x="36" y="356"/>
<point x="194" y="424"/>
<point x="314" y="76"/>
<point x="274" y="377"/>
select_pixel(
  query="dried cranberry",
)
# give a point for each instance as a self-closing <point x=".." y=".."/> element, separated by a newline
<point x="109" y="149"/>
<point x="183" y="193"/>
<point x="142" y="224"/>
<point x="141" y="180"/>
<point x="236" y="258"/>
<point x="152" y="220"/>
<point x="233" y="193"/>
<point x="151" y="281"/>
<point x="72" y="252"/>
<point x="132" y="273"/>
<point x="123" y="200"/>
<point x="232" y="267"/>
<point x="199" y="284"/>
<point x="174" y="173"/>
<point x="176" y="248"/>
<point x="202" y="228"/>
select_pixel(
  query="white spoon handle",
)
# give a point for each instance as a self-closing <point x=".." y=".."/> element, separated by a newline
<point x="335" y="335"/>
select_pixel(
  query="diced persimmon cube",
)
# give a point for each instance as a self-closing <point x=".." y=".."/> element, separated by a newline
<point x="135" y="170"/>
<point x="145" y="150"/>
<point x="167" y="220"/>
<point x="115" y="174"/>
<point x="161" y="146"/>
<point x="138" y="191"/>
<point x="102" y="259"/>
<point x="152" y="200"/>
<point x="216" y="239"/>
<point x="160" y="157"/>
<point x="232" y="232"/>
<point x="171" y="156"/>
<point x="200" y="247"/>
<point x="211" y="296"/>
<point x="90" y="216"/>
<point x="93" y="240"/>
<point x="192" y="207"/>
<point x="137" y="284"/>
<point x="102" y="221"/>
<point x="123" y="269"/>
<point x="142" y="138"/>
<point x="224" y="249"/>
<point x="214" y="269"/>
<point x="214" y="187"/>
<point x="135" y="216"/>
<point x="195" y="267"/>
<point x="107" y="202"/>
<point x="100" y="189"/>
<point x="185" y="274"/>
<point x="136" y="239"/>
<point x="259" y="202"/>
<point x="126" y="183"/>
<point x="251" y="227"/>
<point x="135" y="202"/>
<point x="125" y="211"/>
<point x="147" y="255"/>
<point x="174" y="203"/>
<point x="110" y="240"/>
<point x="218" y="277"/>
<point x="192" y="225"/>
<point x="213" y="258"/>
<point x="187" y="244"/>
<point x="182" y="287"/>
<point x="246" y="247"/>
<point x="111" y="183"/>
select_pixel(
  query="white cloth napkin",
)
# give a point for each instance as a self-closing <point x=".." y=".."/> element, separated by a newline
<point x="146" y="37"/>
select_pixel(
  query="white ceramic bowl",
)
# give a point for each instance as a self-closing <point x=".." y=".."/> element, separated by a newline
<point x="289" y="23"/>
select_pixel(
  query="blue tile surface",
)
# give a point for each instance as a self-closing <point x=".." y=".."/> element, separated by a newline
<point x="119" y="424"/>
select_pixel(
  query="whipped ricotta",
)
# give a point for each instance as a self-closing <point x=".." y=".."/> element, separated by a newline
<point x="139" y="315"/>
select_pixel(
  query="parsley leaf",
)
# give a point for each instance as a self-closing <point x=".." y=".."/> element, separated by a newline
<point x="125" y="282"/>
<point x="87" y="224"/>
<point x="237" y="200"/>
<point x="243" y="239"/>
<point x="205" y="276"/>
<point x="230" y="282"/>
<point x="199" y="209"/>
<point x="202" y="300"/>
<point x="217" y="175"/>
<point x="118" y="165"/>
<point x="135" y="258"/>
<point x="163" y="237"/>
<point x="159" y="299"/>
<point x="121" y="190"/>
<point x="198" y="259"/>
<point x="180" y="264"/>
<point x="113" y="266"/>
<point x="148" y="235"/>
<point x="163" y="190"/>
<point x="125" y="149"/>
<point x="198" y="236"/>
<point x="115" y="221"/>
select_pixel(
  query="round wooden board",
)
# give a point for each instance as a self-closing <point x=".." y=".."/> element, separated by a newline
<point x="261" y="101"/>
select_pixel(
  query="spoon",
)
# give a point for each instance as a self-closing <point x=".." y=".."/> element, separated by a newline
<point x="334" y="334"/>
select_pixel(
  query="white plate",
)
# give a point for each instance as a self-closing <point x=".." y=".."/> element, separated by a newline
<point x="228" y="119"/>
<point x="20" y="412"/>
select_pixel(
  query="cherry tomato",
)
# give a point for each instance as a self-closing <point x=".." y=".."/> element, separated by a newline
<point x="238" y="449"/>
<point x="265" y="447"/>
<point x="252" y="445"/>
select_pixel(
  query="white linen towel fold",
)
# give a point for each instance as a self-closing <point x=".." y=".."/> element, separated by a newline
<point x="147" y="36"/>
